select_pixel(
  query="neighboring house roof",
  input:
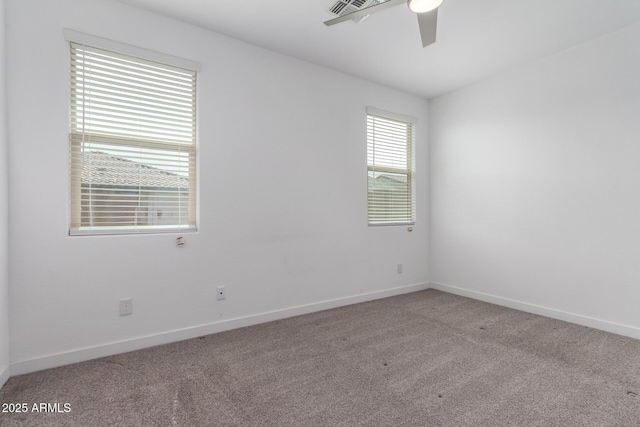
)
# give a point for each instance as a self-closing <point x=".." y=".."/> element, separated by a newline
<point x="388" y="180"/>
<point x="396" y="178"/>
<point x="104" y="169"/>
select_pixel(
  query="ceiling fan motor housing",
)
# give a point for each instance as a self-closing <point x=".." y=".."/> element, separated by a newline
<point x="423" y="6"/>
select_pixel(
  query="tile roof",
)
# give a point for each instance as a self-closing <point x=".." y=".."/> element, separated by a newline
<point x="394" y="177"/>
<point x="104" y="169"/>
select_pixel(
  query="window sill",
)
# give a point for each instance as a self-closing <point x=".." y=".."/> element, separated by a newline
<point x="110" y="231"/>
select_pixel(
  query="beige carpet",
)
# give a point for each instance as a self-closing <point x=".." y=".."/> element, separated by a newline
<point x="422" y="359"/>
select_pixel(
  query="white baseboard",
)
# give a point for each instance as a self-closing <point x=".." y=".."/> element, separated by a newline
<point x="5" y="373"/>
<point x="83" y="354"/>
<point x="603" y="325"/>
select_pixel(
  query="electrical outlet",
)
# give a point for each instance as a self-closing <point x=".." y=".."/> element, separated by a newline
<point x="221" y="293"/>
<point x="399" y="268"/>
<point x="126" y="306"/>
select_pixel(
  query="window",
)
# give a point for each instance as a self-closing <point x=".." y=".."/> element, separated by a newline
<point x="132" y="144"/>
<point x="390" y="189"/>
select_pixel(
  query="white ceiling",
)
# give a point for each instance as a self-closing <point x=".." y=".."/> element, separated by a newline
<point x="476" y="38"/>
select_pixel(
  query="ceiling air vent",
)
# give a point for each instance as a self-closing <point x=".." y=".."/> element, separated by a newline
<point x="342" y="7"/>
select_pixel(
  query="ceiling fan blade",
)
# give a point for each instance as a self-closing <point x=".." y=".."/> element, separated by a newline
<point x="366" y="11"/>
<point x="428" y="23"/>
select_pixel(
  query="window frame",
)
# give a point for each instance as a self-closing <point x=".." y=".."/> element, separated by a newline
<point x="75" y="228"/>
<point x="409" y="171"/>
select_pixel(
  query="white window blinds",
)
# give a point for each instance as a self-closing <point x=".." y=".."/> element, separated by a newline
<point x="390" y="189"/>
<point x="133" y="144"/>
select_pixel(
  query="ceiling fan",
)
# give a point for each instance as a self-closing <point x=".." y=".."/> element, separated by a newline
<point x="427" y="11"/>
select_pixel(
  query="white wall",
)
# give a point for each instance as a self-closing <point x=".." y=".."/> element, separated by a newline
<point x="535" y="186"/>
<point x="4" y="274"/>
<point x="282" y="195"/>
